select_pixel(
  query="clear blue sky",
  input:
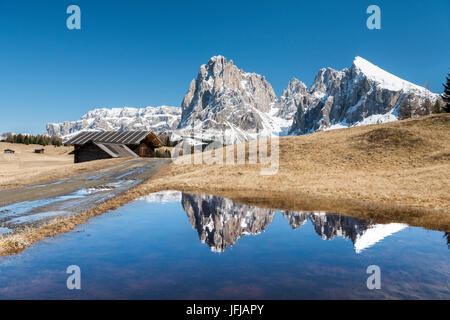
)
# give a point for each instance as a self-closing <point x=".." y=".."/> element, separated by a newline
<point x="140" y="53"/>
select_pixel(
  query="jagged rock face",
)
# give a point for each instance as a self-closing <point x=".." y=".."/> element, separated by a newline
<point x="161" y="120"/>
<point x="294" y="97"/>
<point x="220" y="222"/>
<point x="228" y="104"/>
<point x="363" y="94"/>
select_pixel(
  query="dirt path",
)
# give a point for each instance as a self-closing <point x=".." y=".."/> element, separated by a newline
<point x="32" y="205"/>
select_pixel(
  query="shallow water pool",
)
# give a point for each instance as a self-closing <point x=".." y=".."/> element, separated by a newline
<point x="171" y="245"/>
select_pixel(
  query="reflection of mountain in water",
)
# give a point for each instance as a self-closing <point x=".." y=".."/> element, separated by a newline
<point x="362" y="233"/>
<point x="220" y="222"/>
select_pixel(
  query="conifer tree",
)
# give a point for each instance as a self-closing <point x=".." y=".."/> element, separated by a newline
<point x="446" y="95"/>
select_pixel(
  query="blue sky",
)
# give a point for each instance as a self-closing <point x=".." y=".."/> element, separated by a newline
<point x="141" y="53"/>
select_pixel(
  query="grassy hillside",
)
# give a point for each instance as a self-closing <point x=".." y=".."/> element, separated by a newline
<point x="390" y="172"/>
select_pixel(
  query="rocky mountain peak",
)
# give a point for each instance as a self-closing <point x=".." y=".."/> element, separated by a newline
<point x="364" y="94"/>
<point x="228" y="104"/>
<point x="383" y="78"/>
<point x="295" y="95"/>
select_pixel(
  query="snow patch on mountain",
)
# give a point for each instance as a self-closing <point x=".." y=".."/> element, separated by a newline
<point x="383" y="78"/>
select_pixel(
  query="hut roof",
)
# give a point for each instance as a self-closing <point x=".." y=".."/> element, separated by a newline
<point x="116" y="150"/>
<point x="114" y="137"/>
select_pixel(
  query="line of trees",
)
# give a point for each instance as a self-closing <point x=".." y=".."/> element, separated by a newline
<point x="42" y="140"/>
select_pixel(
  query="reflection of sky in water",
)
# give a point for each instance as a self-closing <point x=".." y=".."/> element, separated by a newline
<point x="79" y="200"/>
<point x="46" y="184"/>
<point x="4" y="230"/>
<point x="150" y="248"/>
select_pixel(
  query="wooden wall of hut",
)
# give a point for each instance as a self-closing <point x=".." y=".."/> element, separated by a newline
<point x="145" y="151"/>
<point x="89" y="152"/>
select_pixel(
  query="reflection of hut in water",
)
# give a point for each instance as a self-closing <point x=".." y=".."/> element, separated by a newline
<point x="113" y="144"/>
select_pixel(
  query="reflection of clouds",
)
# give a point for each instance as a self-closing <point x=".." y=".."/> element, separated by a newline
<point x="39" y="284"/>
<point x="220" y="222"/>
<point x="162" y="197"/>
<point x="362" y="233"/>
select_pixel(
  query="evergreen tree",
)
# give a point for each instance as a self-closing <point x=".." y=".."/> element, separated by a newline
<point x="446" y="95"/>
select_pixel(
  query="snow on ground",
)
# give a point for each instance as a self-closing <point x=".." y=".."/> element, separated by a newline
<point x="373" y="119"/>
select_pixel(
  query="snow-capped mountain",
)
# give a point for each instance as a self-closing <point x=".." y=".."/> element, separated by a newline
<point x="161" y="120"/>
<point x="363" y="94"/>
<point x="227" y="104"/>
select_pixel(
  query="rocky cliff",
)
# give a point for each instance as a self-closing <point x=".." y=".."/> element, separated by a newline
<point x="363" y="94"/>
<point x="227" y="104"/>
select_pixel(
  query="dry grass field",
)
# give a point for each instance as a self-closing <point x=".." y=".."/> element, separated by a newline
<point x="25" y="167"/>
<point x="390" y="172"/>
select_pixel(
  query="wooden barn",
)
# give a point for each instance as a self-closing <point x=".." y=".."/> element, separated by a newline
<point x="113" y="144"/>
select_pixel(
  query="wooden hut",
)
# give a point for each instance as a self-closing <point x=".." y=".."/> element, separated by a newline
<point x="113" y="144"/>
<point x="41" y="151"/>
<point x="9" y="151"/>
